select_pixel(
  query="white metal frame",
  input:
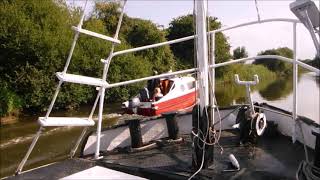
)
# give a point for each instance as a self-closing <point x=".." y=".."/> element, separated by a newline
<point x="248" y="89"/>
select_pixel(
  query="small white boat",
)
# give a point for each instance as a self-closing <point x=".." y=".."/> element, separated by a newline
<point x="179" y="93"/>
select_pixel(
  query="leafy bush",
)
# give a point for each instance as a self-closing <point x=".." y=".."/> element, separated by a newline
<point x="9" y="101"/>
<point x="35" y="41"/>
<point x="278" y="66"/>
<point x="184" y="26"/>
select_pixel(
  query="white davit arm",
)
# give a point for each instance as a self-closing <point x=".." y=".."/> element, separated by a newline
<point x="256" y="80"/>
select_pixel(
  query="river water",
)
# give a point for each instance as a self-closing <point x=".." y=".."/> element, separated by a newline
<point x="56" y="143"/>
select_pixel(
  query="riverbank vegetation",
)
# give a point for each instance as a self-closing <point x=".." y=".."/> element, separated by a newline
<point x="36" y="37"/>
<point x="314" y="62"/>
<point x="35" y="40"/>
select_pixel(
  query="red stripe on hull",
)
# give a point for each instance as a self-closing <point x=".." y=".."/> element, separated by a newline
<point x="175" y="104"/>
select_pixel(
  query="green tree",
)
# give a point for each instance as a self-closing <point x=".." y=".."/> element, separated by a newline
<point x="137" y="32"/>
<point x="315" y="62"/>
<point x="240" y="52"/>
<point x="35" y="40"/>
<point x="184" y="26"/>
<point x="274" y="64"/>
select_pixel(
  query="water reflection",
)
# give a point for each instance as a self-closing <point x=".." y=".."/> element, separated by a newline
<point x="231" y="93"/>
<point x="269" y="89"/>
<point x="278" y="89"/>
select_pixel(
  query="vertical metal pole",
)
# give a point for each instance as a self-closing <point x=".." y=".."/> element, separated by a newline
<point x="248" y="90"/>
<point x="74" y="149"/>
<point x="202" y="157"/>
<point x="295" y="82"/>
<point x="54" y="99"/>
<point x="94" y="105"/>
<point x="76" y="36"/>
<point x="212" y="74"/>
<point x="202" y="54"/>
<point x="24" y="160"/>
<point x="102" y="89"/>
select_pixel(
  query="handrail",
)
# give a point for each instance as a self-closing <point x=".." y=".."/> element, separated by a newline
<point x="210" y="32"/>
<point x="256" y="22"/>
<point x="150" y="77"/>
<point x="304" y="65"/>
<point x="317" y="71"/>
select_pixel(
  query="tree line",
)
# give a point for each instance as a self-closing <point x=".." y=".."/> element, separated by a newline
<point x="35" y="38"/>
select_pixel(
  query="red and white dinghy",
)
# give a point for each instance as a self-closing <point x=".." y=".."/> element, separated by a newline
<point x="179" y="93"/>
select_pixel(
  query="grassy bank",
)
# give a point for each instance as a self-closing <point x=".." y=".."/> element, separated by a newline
<point x="246" y="72"/>
<point x="226" y="82"/>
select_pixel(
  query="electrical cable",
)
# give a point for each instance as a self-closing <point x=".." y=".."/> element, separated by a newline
<point x="257" y="9"/>
<point x="203" y="151"/>
<point x="308" y="170"/>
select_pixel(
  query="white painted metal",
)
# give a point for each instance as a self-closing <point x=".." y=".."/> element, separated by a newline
<point x="73" y="78"/>
<point x="65" y="121"/>
<point x="98" y="172"/>
<point x="304" y="65"/>
<point x="212" y="75"/>
<point x="74" y="149"/>
<point x="255" y="82"/>
<point x="25" y="158"/>
<point x="313" y="35"/>
<point x="101" y="101"/>
<point x="256" y="22"/>
<point x="304" y="10"/>
<point x="210" y="32"/>
<point x="295" y="82"/>
<point x="104" y="77"/>
<point x="76" y="36"/>
<point x="248" y="90"/>
<point x="202" y="54"/>
<point x="308" y="13"/>
<point x="153" y="45"/>
<point x="94" y="34"/>
<point x="94" y="105"/>
<point x="54" y="98"/>
<point x="151" y="77"/>
<point x="73" y="45"/>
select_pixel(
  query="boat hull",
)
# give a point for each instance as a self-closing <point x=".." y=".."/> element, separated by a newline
<point x="183" y="102"/>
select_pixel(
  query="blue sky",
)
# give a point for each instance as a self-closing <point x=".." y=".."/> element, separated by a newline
<point x="255" y="38"/>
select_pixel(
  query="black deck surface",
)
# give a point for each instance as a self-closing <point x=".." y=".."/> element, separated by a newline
<point x="272" y="158"/>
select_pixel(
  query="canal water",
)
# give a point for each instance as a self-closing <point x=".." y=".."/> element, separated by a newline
<point x="55" y="144"/>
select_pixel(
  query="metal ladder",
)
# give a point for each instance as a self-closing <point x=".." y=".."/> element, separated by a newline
<point x="79" y="79"/>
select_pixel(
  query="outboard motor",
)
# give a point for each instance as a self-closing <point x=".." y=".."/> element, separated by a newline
<point x="144" y="95"/>
<point x="134" y="104"/>
<point x="251" y="123"/>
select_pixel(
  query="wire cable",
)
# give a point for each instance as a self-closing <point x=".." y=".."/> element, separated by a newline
<point x="257" y="9"/>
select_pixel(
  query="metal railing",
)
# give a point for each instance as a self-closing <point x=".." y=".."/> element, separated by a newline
<point x="211" y="34"/>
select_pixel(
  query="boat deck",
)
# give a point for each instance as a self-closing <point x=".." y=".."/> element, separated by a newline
<point x="272" y="158"/>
